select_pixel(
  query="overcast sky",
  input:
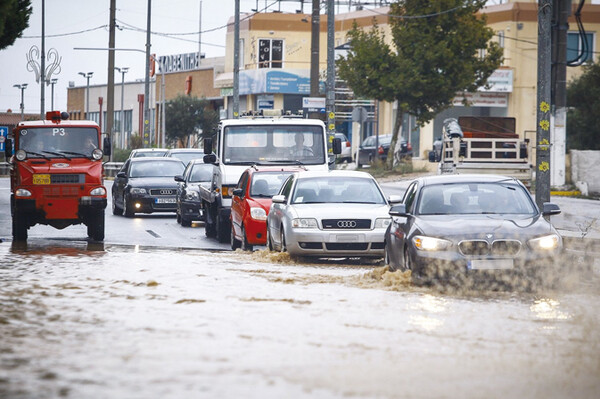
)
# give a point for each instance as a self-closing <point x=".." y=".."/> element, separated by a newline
<point x="65" y="17"/>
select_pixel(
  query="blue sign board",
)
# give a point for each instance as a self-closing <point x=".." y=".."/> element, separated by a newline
<point x="3" y="135"/>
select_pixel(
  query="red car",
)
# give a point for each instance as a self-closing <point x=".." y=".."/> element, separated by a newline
<point x="251" y="202"/>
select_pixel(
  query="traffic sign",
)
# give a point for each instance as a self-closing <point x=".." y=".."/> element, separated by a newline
<point x="3" y="135"/>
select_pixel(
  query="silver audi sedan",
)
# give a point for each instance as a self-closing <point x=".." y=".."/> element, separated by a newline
<point x="329" y="214"/>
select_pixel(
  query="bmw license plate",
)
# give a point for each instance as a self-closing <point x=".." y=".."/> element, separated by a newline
<point x="170" y="200"/>
<point x="490" y="264"/>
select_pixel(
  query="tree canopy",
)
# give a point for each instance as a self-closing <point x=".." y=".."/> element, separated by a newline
<point x="185" y="116"/>
<point x="14" y="19"/>
<point x="439" y="48"/>
<point x="583" y="100"/>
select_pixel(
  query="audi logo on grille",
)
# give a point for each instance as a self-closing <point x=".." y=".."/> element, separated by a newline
<point x="346" y="224"/>
<point x="166" y="192"/>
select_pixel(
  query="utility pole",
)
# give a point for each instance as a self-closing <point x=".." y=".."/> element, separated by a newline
<point x="123" y="71"/>
<point x="146" y="136"/>
<point x="43" y="65"/>
<point x="314" y="48"/>
<point x="52" y="83"/>
<point x="330" y="92"/>
<point x="558" y="133"/>
<point x="236" y="62"/>
<point x="22" y="87"/>
<point x="88" y="75"/>
<point x="110" y="88"/>
<point x="544" y="94"/>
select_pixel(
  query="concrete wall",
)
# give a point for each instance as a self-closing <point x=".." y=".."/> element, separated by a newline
<point x="584" y="169"/>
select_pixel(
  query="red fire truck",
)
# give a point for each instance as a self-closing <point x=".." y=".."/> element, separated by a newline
<point x="56" y="175"/>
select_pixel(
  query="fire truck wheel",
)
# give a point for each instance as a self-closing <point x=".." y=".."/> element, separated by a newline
<point x="127" y="208"/>
<point x="19" y="227"/>
<point x="95" y="227"/>
<point x="115" y="208"/>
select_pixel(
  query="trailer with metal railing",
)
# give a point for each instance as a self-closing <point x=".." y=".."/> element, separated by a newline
<point x="486" y="145"/>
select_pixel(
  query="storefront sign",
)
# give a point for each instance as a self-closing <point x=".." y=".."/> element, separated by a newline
<point x="178" y="62"/>
<point x="291" y="81"/>
<point x="482" y="99"/>
<point x="501" y="81"/>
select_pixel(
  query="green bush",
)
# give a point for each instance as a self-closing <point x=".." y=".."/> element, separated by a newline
<point x="120" y="155"/>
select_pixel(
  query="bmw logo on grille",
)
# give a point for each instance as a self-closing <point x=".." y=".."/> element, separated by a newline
<point x="166" y="192"/>
<point x="346" y="224"/>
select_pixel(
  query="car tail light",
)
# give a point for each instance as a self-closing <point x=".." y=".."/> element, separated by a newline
<point x="380" y="150"/>
<point x="408" y="146"/>
<point x="347" y="144"/>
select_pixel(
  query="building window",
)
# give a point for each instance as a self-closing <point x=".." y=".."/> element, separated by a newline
<point x="501" y="38"/>
<point x="575" y="45"/>
<point x="270" y="53"/>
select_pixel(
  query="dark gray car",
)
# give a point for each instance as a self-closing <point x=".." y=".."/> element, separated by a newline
<point x="189" y="203"/>
<point x="452" y="225"/>
<point x="146" y="185"/>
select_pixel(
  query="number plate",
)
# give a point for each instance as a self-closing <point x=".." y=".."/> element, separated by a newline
<point x="492" y="264"/>
<point x="41" y="179"/>
<point x="171" y="200"/>
<point x="347" y="238"/>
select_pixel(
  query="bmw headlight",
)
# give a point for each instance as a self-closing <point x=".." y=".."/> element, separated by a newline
<point x="192" y="196"/>
<point x="382" y="223"/>
<point x="97" y="154"/>
<point x="304" y="223"/>
<point x="258" y="214"/>
<point x="425" y="243"/>
<point x="136" y="190"/>
<point x="545" y="243"/>
<point x="98" y="191"/>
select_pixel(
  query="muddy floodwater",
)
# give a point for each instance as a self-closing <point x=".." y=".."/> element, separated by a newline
<point x="129" y="322"/>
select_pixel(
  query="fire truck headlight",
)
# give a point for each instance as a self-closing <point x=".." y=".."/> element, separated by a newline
<point x="98" y="191"/>
<point x="21" y="155"/>
<point x="97" y="154"/>
<point x="21" y="192"/>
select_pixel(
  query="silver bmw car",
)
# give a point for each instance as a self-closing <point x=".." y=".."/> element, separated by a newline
<point x="329" y="214"/>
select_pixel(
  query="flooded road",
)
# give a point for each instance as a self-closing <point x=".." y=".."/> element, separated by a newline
<point x="131" y="322"/>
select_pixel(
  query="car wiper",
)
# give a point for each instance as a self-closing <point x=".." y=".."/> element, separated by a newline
<point x="37" y="154"/>
<point x="287" y="161"/>
<point x="241" y="163"/>
<point x="358" y="202"/>
<point x="57" y="153"/>
<point x="261" y="196"/>
<point x="81" y="154"/>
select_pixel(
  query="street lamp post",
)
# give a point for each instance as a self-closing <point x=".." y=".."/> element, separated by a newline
<point x="52" y="83"/>
<point x="123" y="71"/>
<point x="22" y="87"/>
<point x="87" y="95"/>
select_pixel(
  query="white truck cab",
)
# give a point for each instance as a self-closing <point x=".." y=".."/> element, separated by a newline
<point x="258" y="140"/>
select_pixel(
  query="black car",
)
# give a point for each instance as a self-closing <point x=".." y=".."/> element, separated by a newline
<point x="471" y="225"/>
<point x="373" y="148"/>
<point x="189" y="203"/>
<point x="146" y="185"/>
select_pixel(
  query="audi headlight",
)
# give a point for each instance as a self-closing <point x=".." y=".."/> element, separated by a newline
<point x="425" y="243"/>
<point x="21" y="192"/>
<point x="382" y="223"/>
<point x="258" y="214"/>
<point x="97" y="154"/>
<point x="192" y="196"/>
<point x="545" y="243"/>
<point x="21" y="155"/>
<point x="98" y="191"/>
<point x="135" y="190"/>
<point x="304" y="223"/>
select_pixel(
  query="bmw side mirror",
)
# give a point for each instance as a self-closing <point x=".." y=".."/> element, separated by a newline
<point x="8" y="147"/>
<point x="279" y="199"/>
<point x="550" y="209"/>
<point x="398" y="210"/>
<point x="208" y="146"/>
